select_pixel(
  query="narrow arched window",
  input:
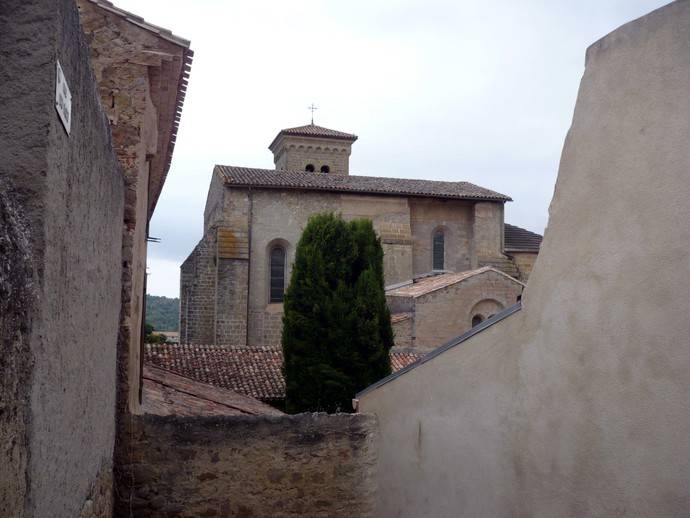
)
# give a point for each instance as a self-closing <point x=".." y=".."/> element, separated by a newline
<point x="277" y="272"/>
<point x="438" y="250"/>
<point x="309" y="168"/>
<point x="325" y="169"/>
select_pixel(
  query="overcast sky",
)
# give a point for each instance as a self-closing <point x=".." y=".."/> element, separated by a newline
<point x="435" y="89"/>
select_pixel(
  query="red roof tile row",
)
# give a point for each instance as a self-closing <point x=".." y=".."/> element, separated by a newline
<point x="252" y="371"/>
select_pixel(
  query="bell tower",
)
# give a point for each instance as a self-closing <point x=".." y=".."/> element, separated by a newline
<point x="313" y="149"/>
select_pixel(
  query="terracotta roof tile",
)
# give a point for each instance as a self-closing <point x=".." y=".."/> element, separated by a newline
<point x="312" y="130"/>
<point x="252" y="371"/>
<point x="521" y="240"/>
<point x="167" y="393"/>
<point x="272" y="179"/>
<point x="436" y="282"/>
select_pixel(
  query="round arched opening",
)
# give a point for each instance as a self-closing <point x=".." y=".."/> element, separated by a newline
<point x="325" y="169"/>
<point x="309" y="168"/>
<point x="477" y="319"/>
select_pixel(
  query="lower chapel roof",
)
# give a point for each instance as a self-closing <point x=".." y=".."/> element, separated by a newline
<point x="251" y="371"/>
<point x="432" y="283"/>
<point x="301" y="180"/>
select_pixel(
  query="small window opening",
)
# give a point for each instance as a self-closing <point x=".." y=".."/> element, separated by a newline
<point x="309" y="168"/>
<point x="325" y="169"/>
<point x="277" y="272"/>
<point x="438" y="250"/>
<point x="476" y="320"/>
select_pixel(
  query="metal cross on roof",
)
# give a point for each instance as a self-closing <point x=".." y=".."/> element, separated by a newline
<point x="313" y="109"/>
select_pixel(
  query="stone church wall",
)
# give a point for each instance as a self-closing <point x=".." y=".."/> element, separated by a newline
<point x="446" y="313"/>
<point x="214" y="303"/>
<point x="293" y="466"/>
<point x="58" y="366"/>
<point x="198" y="293"/>
<point x="487" y="230"/>
<point x="455" y="218"/>
<point x="278" y="217"/>
<point x="524" y="261"/>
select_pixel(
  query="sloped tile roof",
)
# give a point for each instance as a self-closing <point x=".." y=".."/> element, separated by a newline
<point x="436" y="282"/>
<point x="167" y="393"/>
<point x="521" y="240"/>
<point x="252" y="371"/>
<point x="272" y="179"/>
<point x="312" y="130"/>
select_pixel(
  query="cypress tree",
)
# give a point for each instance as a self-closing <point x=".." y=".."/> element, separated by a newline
<point x="336" y="324"/>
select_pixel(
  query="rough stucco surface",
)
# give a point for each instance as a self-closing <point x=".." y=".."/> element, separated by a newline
<point x="288" y="466"/>
<point x="577" y="405"/>
<point x="16" y="287"/>
<point x="69" y="191"/>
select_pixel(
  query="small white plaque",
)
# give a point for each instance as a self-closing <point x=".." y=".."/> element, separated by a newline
<point x="63" y="99"/>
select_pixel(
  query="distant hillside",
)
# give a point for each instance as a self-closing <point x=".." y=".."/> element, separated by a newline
<point x="163" y="313"/>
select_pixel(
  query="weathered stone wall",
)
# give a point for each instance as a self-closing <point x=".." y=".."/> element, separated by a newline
<point x="231" y="302"/>
<point x="214" y="210"/>
<point x="198" y="293"/>
<point x="137" y="72"/>
<point x="277" y="217"/>
<point x="447" y="313"/>
<point x="16" y="299"/>
<point x="291" y="466"/>
<point x="68" y="189"/>
<point x="455" y="218"/>
<point x="402" y="332"/>
<point x="576" y="405"/>
<point x="524" y="261"/>
<point x="487" y="230"/>
<point x="296" y="152"/>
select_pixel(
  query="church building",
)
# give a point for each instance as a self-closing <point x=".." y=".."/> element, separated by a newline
<point x="232" y="284"/>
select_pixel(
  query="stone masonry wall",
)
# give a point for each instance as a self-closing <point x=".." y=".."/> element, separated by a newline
<point x="231" y="302"/>
<point x="16" y="294"/>
<point x="297" y="152"/>
<point x="487" y="230"/>
<point x="68" y="189"/>
<point x="455" y="218"/>
<point x="314" y="465"/>
<point x="198" y="293"/>
<point x="524" y="261"/>
<point x="447" y="313"/>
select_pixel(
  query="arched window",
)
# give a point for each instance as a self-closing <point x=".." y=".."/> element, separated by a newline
<point x="476" y="320"/>
<point x="277" y="272"/>
<point x="438" y="250"/>
<point x="325" y="169"/>
<point x="309" y="168"/>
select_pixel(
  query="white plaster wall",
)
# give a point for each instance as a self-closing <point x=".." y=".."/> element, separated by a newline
<point x="578" y="404"/>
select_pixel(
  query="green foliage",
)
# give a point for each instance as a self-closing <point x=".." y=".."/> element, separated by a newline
<point x="153" y="338"/>
<point x="336" y="325"/>
<point x="163" y="312"/>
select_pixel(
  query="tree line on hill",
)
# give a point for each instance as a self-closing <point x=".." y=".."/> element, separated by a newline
<point x="163" y="313"/>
